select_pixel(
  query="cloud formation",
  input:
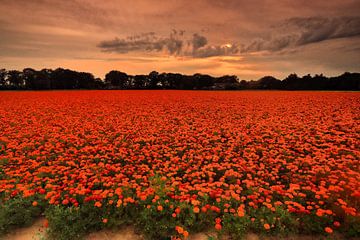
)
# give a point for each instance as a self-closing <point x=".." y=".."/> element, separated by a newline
<point x="216" y="50"/>
<point x="295" y="32"/>
<point x="175" y="44"/>
<point x="290" y="33"/>
<point x="145" y="42"/>
<point x="198" y="41"/>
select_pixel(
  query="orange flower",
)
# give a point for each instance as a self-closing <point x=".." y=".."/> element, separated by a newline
<point x="177" y="210"/>
<point x="218" y="226"/>
<point x="105" y="220"/>
<point x="204" y="209"/>
<point x="328" y="230"/>
<point x="160" y="208"/>
<point x="266" y="226"/>
<point x="196" y="209"/>
<point x="35" y="203"/>
<point x="241" y="211"/>
<point x="179" y="229"/>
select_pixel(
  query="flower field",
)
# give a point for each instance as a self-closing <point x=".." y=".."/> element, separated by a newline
<point x="173" y="163"/>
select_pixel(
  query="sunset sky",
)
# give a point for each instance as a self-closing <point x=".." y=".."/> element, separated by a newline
<point x="247" y="38"/>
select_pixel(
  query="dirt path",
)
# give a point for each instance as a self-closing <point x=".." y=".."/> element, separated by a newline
<point x="37" y="232"/>
<point x="33" y="232"/>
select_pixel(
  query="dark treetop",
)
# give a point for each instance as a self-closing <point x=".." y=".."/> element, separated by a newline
<point x="30" y="79"/>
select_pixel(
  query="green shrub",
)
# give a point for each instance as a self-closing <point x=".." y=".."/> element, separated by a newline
<point x="66" y="223"/>
<point x="18" y="212"/>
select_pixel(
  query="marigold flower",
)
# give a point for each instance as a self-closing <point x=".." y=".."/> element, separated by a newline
<point x="196" y="210"/>
<point x="204" y="209"/>
<point x="266" y="226"/>
<point x="218" y="226"/>
<point x="179" y="229"/>
<point x="328" y="230"/>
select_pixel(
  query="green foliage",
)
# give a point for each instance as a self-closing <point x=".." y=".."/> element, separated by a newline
<point x="236" y="226"/>
<point x="281" y="221"/>
<point x="312" y="224"/>
<point x="18" y="212"/>
<point x="66" y="223"/>
<point x="156" y="225"/>
<point x="352" y="228"/>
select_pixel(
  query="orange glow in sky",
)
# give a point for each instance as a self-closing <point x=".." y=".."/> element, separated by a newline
<point x="249" y="39"/>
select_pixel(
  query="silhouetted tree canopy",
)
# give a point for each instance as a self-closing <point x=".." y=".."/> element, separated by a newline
<point x="31" y="79"/>
<point x="117" y="79"/>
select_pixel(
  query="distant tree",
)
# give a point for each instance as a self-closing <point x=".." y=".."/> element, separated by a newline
<point x="164" y="80"/>
<point x="30" y="77"/>
<point x="346" y="81"/>
<point x="269" y="82"/>
<point x="187" y="82"/>
<point x="140" y="81"/>
<point x="176" y="81"/>
<point x="230" y="82"/>
<point x="292" y="82"/>
<point x="243" y="84"/>
<point x="203" y="81"/>
<point x="15" y="79"/>
<point x="64" y="79"/>
<point x="69" y="79"/>
<point x="99" y="84"/>
<point x="117" y="79"/>
<point x="45" y="79"/>
<point x="153" y="80"/>
<point x="230" y="79"/>
<point x="86" y="80"/>
<point x="3" y="74"/>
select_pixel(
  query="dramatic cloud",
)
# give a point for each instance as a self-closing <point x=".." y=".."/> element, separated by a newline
<point x="298" y="31"/>
<point x="198" y="41"/>
<point x="145" y="42"/>
<point x="290" y="33"/>
<point x="216" y="50"/>
<point x="175" y="44"/>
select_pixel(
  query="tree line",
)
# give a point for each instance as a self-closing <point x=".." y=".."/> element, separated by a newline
<point x="46" y="79"/>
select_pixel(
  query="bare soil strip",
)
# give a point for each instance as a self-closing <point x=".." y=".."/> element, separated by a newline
<point x="37" y="232"/>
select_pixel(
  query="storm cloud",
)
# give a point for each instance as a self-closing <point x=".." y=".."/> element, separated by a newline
<point x="176" y="44"/>
<point x="198" y="41"/>
<point x="144" y="42"/>
<point x="295" y="32"/>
